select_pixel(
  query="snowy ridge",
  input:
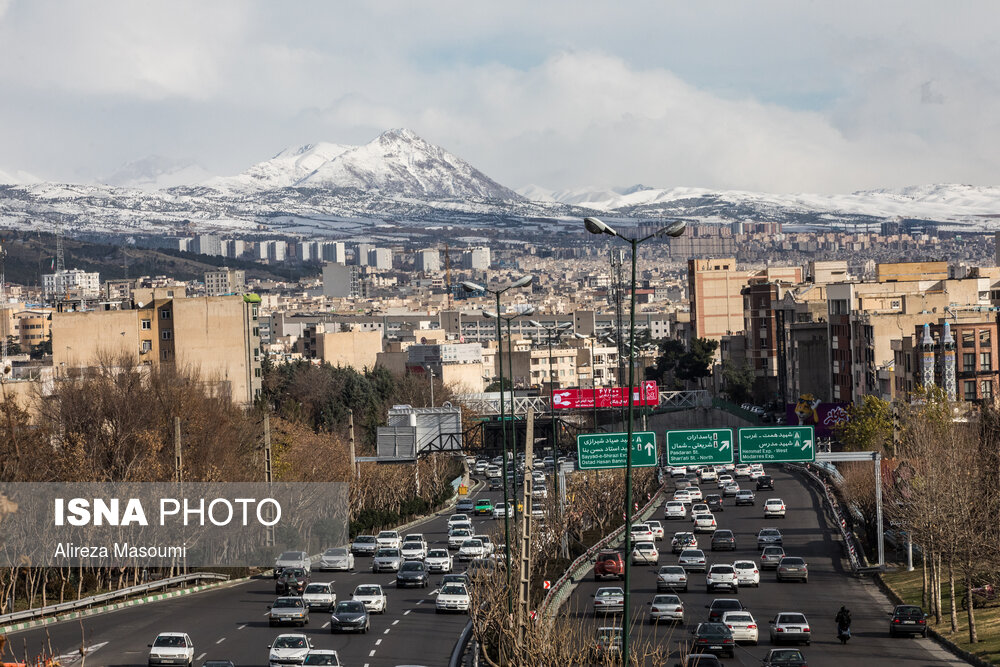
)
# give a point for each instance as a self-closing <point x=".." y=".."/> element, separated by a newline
<point x="283" y="170"/>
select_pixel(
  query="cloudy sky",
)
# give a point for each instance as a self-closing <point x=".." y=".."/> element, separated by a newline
<point x="799" y="96"/>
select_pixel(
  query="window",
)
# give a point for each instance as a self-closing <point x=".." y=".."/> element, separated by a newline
<point x="165" y="354"/>
<point x="164" y="314"/>
<point x="986" y="389"/>
<point x="968" y="361"/>
<point x="984" y="336"/>
<point x="968" y="338"/>
<point x="147" y="325"/>
<point x="969" y="390"/>
<point x="256" y="372"/>
<point x="146" y="346"/>
<point x="166" y="334"/>
<point x="985" y="361"/>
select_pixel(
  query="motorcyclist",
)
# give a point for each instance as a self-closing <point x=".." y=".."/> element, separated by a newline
<point x="843" y="620"/>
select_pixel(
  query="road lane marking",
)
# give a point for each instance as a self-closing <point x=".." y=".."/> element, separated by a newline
<point x="71" y="658"/>
<point x="407" y="612"/>
<point x="242" y="626"/>
<point x="386" y="631"/>
<point x="372" y="654"/>
<point x="395" y="622"/>
<point x="419" y="601"/>
<point x="201" y="656"/>
<point x="377" y="642"/>
<point x="326" y="625"/>
<point x="220" y="641"/>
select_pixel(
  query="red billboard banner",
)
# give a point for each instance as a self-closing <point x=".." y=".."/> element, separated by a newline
<point x="647" y="394"/>
<point x="825" y="417"/>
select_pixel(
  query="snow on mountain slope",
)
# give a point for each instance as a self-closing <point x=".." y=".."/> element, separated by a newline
<point x="283" y="170"/>
<point x="17" y="178"/>
<point x="156" y="173"/>
<point x="398" y="162"/>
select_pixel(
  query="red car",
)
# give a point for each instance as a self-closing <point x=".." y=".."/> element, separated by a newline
<point x="609" y="564"/>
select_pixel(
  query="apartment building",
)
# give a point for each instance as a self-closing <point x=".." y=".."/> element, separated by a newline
<point x="71" y="283"/>
<point x="225" y="281"/>
<point x="215" y="337"/>
<point x="963" y="359"/>
<point x="33" y="327"/>
<point x="349" y="348"/>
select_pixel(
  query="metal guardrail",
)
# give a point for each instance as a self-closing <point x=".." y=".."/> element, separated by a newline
<point x="849" y="543"/>
<point x="458" y="653"/>
<point x="105" y="597"/>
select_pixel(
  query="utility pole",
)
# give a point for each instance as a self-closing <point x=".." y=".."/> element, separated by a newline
<point x="350" y="441"/>
<point x="179" y="468"/>
<point x="524" y="591"/>
<point x="268" y="474"/>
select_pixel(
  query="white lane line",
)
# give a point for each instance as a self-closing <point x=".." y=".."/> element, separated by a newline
<point x="326" y="625"/>
<point x="242" y="626"/>
<point x="220" y="641"/>
<point x="377" y="642"/>
<point x="395" y="622"/>
<point x="372" y="654"/>
<point x="419" y="601"/>
<point x="386" y="631"/>
<point x="407" y="612"/>
<point x="201" y="656"/>
<point x="266" y="613"/>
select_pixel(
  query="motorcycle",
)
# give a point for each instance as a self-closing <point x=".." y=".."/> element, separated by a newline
<point x="843" y="633"/>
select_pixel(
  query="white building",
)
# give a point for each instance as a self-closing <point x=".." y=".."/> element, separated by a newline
<point x="334" y="251"/>
<point x="74" y="281"/>
<point x="225" y="281"/>
<point x="209" y="244"/>
<point x="428" y="261"/>
<point x="477" y="259"/>
<point x="380" y="258"/>
<point x="233" y="248"/>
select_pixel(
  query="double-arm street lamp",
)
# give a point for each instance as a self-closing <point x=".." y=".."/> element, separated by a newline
<point x="475" y="287"/>
<point x="674" y="229"/>
<point x="553" y="333"/>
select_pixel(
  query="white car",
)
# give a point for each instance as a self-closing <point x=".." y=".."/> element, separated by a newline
<point x="500" y="510"/>
<point x="171" y="648"/>
<point x="708" y="475"/>
<point x="790" y="627"/>
<point x="288" y="650"/>
<point x="704" y="523"/>
<point x="414" y="547"/>
<point x="742" y="470"/>
<point x="471" y="548"/>
<point x="742" y="625"/>
<point x="489" y="548"/>
<point x="641" y="533"/>
<point x="387" y="539"/>
<point x="666" y="608"/>
<point x="438" y="560"/>
<point x="493" y="471"/>
<point x="458" y="518"/>
<point x="692" y="560"/>
<point x="683" y="495"/>
<point x="725" y="479"/>
<point x="609" y="600"/>
<point x="319" y="595"/>
<point x="774" y="507"/>
<point x="336" y="558"/>
<point x="452" y="597"/>
<point x="291" y="559"/>
<point x="672" y="578"/>
<point x="657" y="528"/>
<point x="320" y="657"/>
<point x="674" y="509"/>
<point x="645" y="552"/>
<point x="770" y="557"/>
<point x="699" y="508"/>
<point x="755" y="473"/>
<point x="721" y="576"/>
<point x="372" y="596"/>
<point x="730" y="490"/>
<point x="456" y="536"/>
<point x="677" y="471"/>
<point x="747" y="573"/>
<point x="694" y="493"/>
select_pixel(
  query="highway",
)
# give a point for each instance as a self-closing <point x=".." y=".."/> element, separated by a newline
<point x="230" y="623"/>
<point x="805" y="533"/>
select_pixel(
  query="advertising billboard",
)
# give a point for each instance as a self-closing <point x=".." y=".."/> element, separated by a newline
<point x="646" y="394"/>
<point x="824" y="417"/>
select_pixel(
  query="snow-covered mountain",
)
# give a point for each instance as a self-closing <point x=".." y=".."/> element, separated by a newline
<point x="156" y="173"/>
<point x="284" y="170"/>
<point x="17" y="178"/>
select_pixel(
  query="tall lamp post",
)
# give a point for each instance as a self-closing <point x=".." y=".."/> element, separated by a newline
<point x="553" y="333"/>
<point x="468" y="286"/>
<point x="674" y="229"/>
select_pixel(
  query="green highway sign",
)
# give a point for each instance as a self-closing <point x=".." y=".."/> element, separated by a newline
<point x="703" y="446"/>
<point x="607" y="450"/>
<point x="777" y="444"/>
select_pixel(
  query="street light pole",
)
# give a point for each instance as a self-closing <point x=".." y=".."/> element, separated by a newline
<point x="675" y="229"/>
<point x="553" y="332"/>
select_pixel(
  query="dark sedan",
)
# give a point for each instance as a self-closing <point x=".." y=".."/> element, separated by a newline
<point x="723" y="540"/>
<point x="785" y="657"/>
<point x="720" y="606"/>
<point x="349" y="616"/>
<point x="714" y="638"/>
<point x="412" y="573"/>
<point x="714" y="502"/>
<point x="765" y="482"/>
<point x="907" y="619"/>
<point x="291" y="581"/>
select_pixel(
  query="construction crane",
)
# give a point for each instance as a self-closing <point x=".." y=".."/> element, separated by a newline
<point x="447" y="275"/>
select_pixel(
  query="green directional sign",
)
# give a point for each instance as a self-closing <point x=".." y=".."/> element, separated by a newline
<point x="703" y="446"/>
<point x="777" y="444"/>
<point x="607" y="450"/>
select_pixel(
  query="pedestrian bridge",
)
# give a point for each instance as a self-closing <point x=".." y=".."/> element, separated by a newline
<point x="489" y="403"/>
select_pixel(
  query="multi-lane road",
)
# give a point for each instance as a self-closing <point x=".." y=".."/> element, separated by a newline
<point x="231" y="623"/>
<point x="805" y="533"/>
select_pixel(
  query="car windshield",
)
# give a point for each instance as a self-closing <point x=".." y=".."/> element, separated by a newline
<point x="744" y="565"/>
<point x="644" y="546"/>
<point x="773" y="551"/>
<point x="704" y="517"/>
<point x="666" y="599"/>
<point x="368" y="590"/>
<point x="364" y="539"/>
<point x="908" y="612"/>
<point x="285" y="603"/>
<point x="783" y="655"/>
<point x="417" y="539"/>
<point x="387" y="553"/>
<point x="609" y="592"/>
<point x="290" y="555"/>
<point x="475" y="544"/>
<point x="692" y="553"/>
<point x="292" y="572"/>
<point x="672" y="569"/>
<point x="722" y="569"/>
<point x="770" y="532"/>
<point x="453" y="578"/>
<point x="787" y="560"/>
<point x="318" y="588"/>
<point x="387" y="534"/>
<point x="169" y="641"/>
<point x="437" y="553"/>
<point x="713" y="629"/>
<point x="453" y="589"/>
<point x="723" y="533"/>
<point x="350" y="606"/>
<point x="726" y="605"/>
<point x="606" y="557"/>
<point x="739" y="618"/>
<point x="290" y="642"/>
<point x="412" y="566"/>
<point x="322" y="659"/>
<point x="340" y="551"/>
<point x="460" y="532"/>
<point x="792" y="618"/>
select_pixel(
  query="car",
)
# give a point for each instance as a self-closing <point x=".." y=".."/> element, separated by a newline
<point x="765" y="482"/>
<point x="708" y="475"/>
<point x="682" y="541"/>
<point x="742" y="470"/>
<point x="793" y="568"/>
<point x="291" y="581"/>
<point x="288" y="610"/>
<point x="387" y="560"/>
<point x="714" y="638"/>
<point x="747" y="573"/>
<point x="439" y="560"/>
<point x="412" y="573"/>
<point x="790" y="627"/>
<point x="704" y="523"/>
<point x="288" y="650"/>
<point x="457" y="536"/>
<point x="539" y="490"/>
<point x="774" y="507"/>
<point x="495" y="484"/>
<point x="171" y="648"/>
<point x="500" y="510"/>
<point x="609" y="563"/>
<point x="731" y="490"/>
<point x="742" y="625"/>
<point x="720" y="606"/>
<point x="683" y="496"/>
<point x="364" y="545"/>
<point x="723" y="480"/>
<point x="770" y="557"/>
<point x="607" y="644"/>
<point x="721" y="575"/>
<point x="218" y="663"/>
<point x="609" y="601"/>
<point x="320" y="595"/>
<point x="336" y="558"/>
<point x="350" y="616"/>
<point x="666" y="608"/>
<point x="682" y="483"/>
<point x="756" y="473"/>
<point x="657" y="528"/>
<point x="481" y="467"/>
<point x="907" y="619"/>
<point x="298" y="559"/>
<point x="699" y="508"/>
<point x="785" y="657"/>
<point x="674" y="509"/>
<point x="412" y="540"/>
<point x="388" y="539"/>
<point x="470" y="549"/>
<point x="692" y="560"/>
<point x="321" y="658"/>
<point x="694" y="493"/>
<point x="641" y="533"/>
<point x="465" y="505"/>
<point x="484" y="506"/>
<point x="481" y="570"/>
<point x="672" y="578"/>
<point x="458" y="518"/>
<point x="645" y="552"/>
<point x="537" y="511"/>
<point x="744" y="497"/>
<point x="373" y="597"/>
<point x="489" y="548"/>
<point x="493" y="471"/>
<point x="700" y="660"/>
<point x="455" y="578"/>
<point x="677" y="471"/>
<point x="714" y="503"/>
<point x="723" y="540"/>
<point x="453" y="597"/>
<point x="769" y="537"/>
